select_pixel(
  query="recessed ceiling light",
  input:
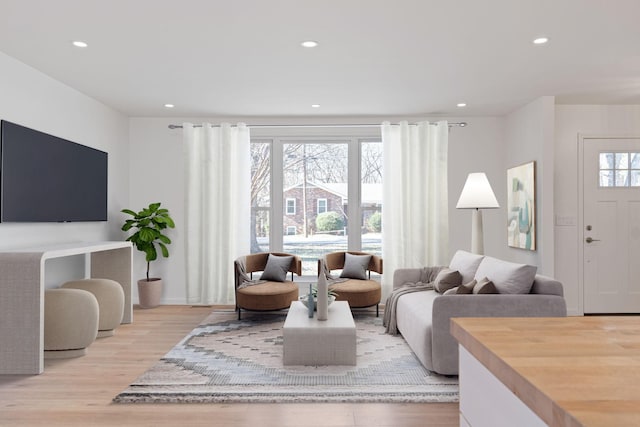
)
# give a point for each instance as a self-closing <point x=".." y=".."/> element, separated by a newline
<point x="541" y="40"/>
<point x="79" y="43"/>
<point x="315" y="105"/>
<point x="461" y="104"/>
<point x="169" y="105"/>
<point x="309" y="43"/>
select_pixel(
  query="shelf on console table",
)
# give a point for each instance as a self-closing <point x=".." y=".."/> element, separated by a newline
<point x="22" y="296"/>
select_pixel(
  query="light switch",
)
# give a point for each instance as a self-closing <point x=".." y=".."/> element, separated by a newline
<point x="566" y="221"/>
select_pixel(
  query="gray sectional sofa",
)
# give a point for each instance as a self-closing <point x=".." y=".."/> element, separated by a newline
<point x="423" y="318"/>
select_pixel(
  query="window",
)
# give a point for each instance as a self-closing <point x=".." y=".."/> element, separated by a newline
<point x="291" y="206"/>
<point x="371" y="196"/>
<point x="304" y="176"/>
<point x="260" y="151"/>
<point x="322" y="206"/>
<point x="619" y="170"/>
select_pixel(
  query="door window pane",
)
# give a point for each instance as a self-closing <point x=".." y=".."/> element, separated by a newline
<point x="622" y="161"/>
<point x="619" y="169"/>
<point x="622" y="178"/>
<point x="606" y="160"/>
<point x="606" y="178"/>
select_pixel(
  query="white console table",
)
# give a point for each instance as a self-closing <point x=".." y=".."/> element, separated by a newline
<point x="22" y="296"/>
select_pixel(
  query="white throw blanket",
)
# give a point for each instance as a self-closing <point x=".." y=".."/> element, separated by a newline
<point x="244" y="279"/>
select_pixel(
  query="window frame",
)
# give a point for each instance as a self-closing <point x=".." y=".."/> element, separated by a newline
<point x="287" y="200"/>
<point x="326" y="205"/>
<point x="353" y="137"/>
<point x="615" y="169"/>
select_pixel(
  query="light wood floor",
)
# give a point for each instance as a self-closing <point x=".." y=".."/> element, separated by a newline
<point x="79" y="391"/>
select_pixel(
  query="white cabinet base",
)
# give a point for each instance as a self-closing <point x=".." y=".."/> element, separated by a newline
<point x="486" y="402"/>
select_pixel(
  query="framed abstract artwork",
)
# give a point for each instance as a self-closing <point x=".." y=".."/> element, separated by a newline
<point x="521" y="206"/>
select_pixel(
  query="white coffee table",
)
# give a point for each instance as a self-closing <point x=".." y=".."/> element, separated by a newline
<point x="309" y="341"/>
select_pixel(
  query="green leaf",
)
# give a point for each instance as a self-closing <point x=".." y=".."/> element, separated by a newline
<point x="170" y="222"/>
<point x="128" y="211"/>
<point x="164" y="239"/>
<point x="165" y="251"/>
<point x="154" y="207"/>
<point x="147" y="235"/>
<point x="152" y="255"/>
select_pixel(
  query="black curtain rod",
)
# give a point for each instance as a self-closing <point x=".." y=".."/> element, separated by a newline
<point x="459" y="124"/>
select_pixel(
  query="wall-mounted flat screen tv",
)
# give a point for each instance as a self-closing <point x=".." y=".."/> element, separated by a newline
<point x="44" y="178"/>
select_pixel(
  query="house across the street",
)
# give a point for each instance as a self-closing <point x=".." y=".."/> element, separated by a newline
<point x="326" y="197"/>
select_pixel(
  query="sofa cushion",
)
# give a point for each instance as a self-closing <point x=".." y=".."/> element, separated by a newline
<point x="276" y="268"/>
<point x="485" y="286"/>
<point x="359" y="293"/>
<point x="447" y="279"/>
<point x="267" y="296"/>
<point x="464" y="289"/>
<point x="466" y="263"/>
<point x="413" y="317"/>
<point x="355" y="266"/>
<point x="508" y="277"/>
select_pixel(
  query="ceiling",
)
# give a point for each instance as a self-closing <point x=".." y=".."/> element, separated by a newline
<point x="375" y="57"/>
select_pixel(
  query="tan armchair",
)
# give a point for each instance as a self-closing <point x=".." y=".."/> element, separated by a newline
<point x="264" y="295"/>
<point x="359" y="293"/>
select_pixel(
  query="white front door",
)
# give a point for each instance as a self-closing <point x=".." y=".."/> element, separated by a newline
<point x="611" y="226"/>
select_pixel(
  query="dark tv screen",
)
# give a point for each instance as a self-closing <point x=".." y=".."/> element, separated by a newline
<point x="44" y="178"/>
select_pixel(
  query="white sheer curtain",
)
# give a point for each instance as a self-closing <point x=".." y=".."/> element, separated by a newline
<point x="217" y="208"/>
<point x="415" y="219"/>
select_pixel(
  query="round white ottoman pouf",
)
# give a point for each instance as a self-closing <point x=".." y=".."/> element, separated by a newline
<point x="110" y="298"/>
<point x="70" y="322"/>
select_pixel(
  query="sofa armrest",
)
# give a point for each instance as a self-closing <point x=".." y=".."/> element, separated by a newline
<point x="546" y="285"/>
<point x="445" y="307"/>
<point x="404" y="275"/>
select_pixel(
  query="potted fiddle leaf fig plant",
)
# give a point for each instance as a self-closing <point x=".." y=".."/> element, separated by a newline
<point x="149" y="225"/>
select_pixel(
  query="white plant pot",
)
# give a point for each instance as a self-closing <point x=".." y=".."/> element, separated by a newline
<point x="149" y="292"/>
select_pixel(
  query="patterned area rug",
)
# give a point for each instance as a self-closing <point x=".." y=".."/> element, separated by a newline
<point x="225" y="360"/>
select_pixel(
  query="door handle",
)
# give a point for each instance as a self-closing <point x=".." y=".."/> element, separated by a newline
<point x="589" y="240"/>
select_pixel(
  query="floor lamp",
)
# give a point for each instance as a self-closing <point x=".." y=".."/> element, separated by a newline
<point x="477" y="194"/>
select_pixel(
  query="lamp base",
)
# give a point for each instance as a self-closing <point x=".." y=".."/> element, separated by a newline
<point x="477" y="241"/>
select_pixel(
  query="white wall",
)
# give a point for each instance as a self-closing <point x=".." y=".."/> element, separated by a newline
<point x="35" y="100"/>
<point x="476" y="148"/>
<point x="570" y="121"/>
<point x="529" y="136"/>
<point x="161" y="178"/>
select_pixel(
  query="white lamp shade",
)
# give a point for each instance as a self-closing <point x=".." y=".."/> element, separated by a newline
<point x="477" y="193"/>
